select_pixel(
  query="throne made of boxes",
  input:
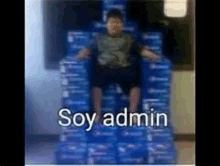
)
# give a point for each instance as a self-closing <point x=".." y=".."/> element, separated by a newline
<point x="115" y="145"/>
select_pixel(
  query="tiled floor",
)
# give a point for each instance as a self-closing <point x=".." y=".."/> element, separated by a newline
<point x="43" y="153"/>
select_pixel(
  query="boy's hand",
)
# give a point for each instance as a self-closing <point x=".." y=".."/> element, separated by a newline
<point x="84" y="53"/>
<point x="149" y="55"/>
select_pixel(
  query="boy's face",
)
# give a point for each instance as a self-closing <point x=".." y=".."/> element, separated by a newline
<point x="114" y="25"/>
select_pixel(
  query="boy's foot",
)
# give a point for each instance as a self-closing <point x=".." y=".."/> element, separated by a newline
<point x="98" y="117"/>
<point x="134" y="118"/>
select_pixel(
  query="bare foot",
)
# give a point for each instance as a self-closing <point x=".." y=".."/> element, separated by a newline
<point x="134" y="118"/>
<point x="98" y="117"/>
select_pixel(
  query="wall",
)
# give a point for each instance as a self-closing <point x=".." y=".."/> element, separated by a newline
<point x="183" y="102"/>
<point x="42" y="87"/>
<point x="43" y="92"/>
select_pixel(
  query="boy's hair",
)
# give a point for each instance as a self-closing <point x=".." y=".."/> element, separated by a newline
<point x="115" y="13"/>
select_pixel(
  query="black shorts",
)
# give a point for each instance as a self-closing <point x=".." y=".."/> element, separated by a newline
<point x="127" y="77"/>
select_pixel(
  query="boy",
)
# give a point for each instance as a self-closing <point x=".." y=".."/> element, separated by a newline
<point x="114" y="62"/>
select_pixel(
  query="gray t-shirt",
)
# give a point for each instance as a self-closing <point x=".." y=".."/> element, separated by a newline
<point x="114" y="51"/>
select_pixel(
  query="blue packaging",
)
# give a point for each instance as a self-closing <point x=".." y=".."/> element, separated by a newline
<point x="121" y="102"/>
<point x="101" y="149"/>
<point x="161" y="153"/>
<point x="72" y="67"/>
<point x="69" y="158"/>
<point x="70" y="102"/>
<point x="70" y="81"/>
<point x="161" y="137"/>
<point x="102" y="134"/>
<point x="73" y="147"/>
<point x="73" y="134"/>
<point x="107" y="159"/>
<point x="114" y="2"/>
<point x="158" y="68"/>
<point x="70" y="92"/>
<point x="156" y="104"/>
<point x="75" y="86"/>
<point x="109" y="90"/>
<point x="153" y="40"/>
<point x="132" y="134"/>
<point x="107" y="5"/>
<point x="107" y="109"/>
<point x="76" y="40"/>
<point x="130" y="160"/>
<point x="149" y="93"/>
<point x="77" y="106"/>
<point x="132" y="149"/>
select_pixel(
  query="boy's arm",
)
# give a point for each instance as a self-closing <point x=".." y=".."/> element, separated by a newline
<point x="144" y="51"/>
<point x="147" y="53"/>
<point x="87" y="50"/>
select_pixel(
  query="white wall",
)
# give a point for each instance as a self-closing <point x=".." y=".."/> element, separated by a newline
<point x="42" y="87"/>
<point x="183" y="102"/>
<point x="43" y="92"/>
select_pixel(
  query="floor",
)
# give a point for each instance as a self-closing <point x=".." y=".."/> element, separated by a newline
<point x="43" y="152"/>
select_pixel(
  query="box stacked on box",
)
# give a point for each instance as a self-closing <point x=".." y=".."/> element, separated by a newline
<point x="102" y="145"/>
<point x="75" y="83"/>
<point x="102" y="153"/>
<point x="75" y="75"/>
<point x="72" y="147"/>
<point x="76" y="40"/>
<point x="114" y="4"/>
<point x="107" y="144"/>
<point x="109" y="99"/>
<point x="156" y="83"/>
<point x="160" y="146"/>
<point x="132" y="153"/>
<point x="131" y="141"/>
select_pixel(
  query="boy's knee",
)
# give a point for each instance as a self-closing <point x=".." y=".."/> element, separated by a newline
<point x="97" y="90"/>
<point x="136" y="88"/>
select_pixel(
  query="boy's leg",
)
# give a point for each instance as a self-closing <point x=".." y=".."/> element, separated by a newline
<point x="134" y="99"/>
<point x="101" y="77"/>
<point x="97" y="100"/>
<point x="128" y="79"/>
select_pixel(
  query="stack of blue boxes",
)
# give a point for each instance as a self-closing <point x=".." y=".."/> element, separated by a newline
<point x="102" y="145"/>
<point x="160" y="146"/>
<point x="72" y="147"/>
<point x="114" y="4"/>
<point x="156" y="83"/>
<point x="75" y="75"/>
<point x="155" y="78"/>
<point x="115" y="145"/>
<point x="131" y="145"/>
<point x="109" y="99"/>
<point x="76" y="96"/>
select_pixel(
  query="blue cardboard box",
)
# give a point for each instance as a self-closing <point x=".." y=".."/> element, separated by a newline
<point x="134" y="160"/>
<point x="73" y="147"/>
<point x="69" y="158"/>
<point x="73" y="134"/>
<point x="156" y="104"/>
<point x="76" y="40"/>
<point x="102" y="134"/>
<point x="107" y="159"/>
<point x="161" y="153"/>
<point x="101" y="148"/>
<point x="161" y="137"/>
<point x="132" y="149"/>
<point x="71" y="67"/>
<point x="132" y="134"/>
<point x="70" y="92"/>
